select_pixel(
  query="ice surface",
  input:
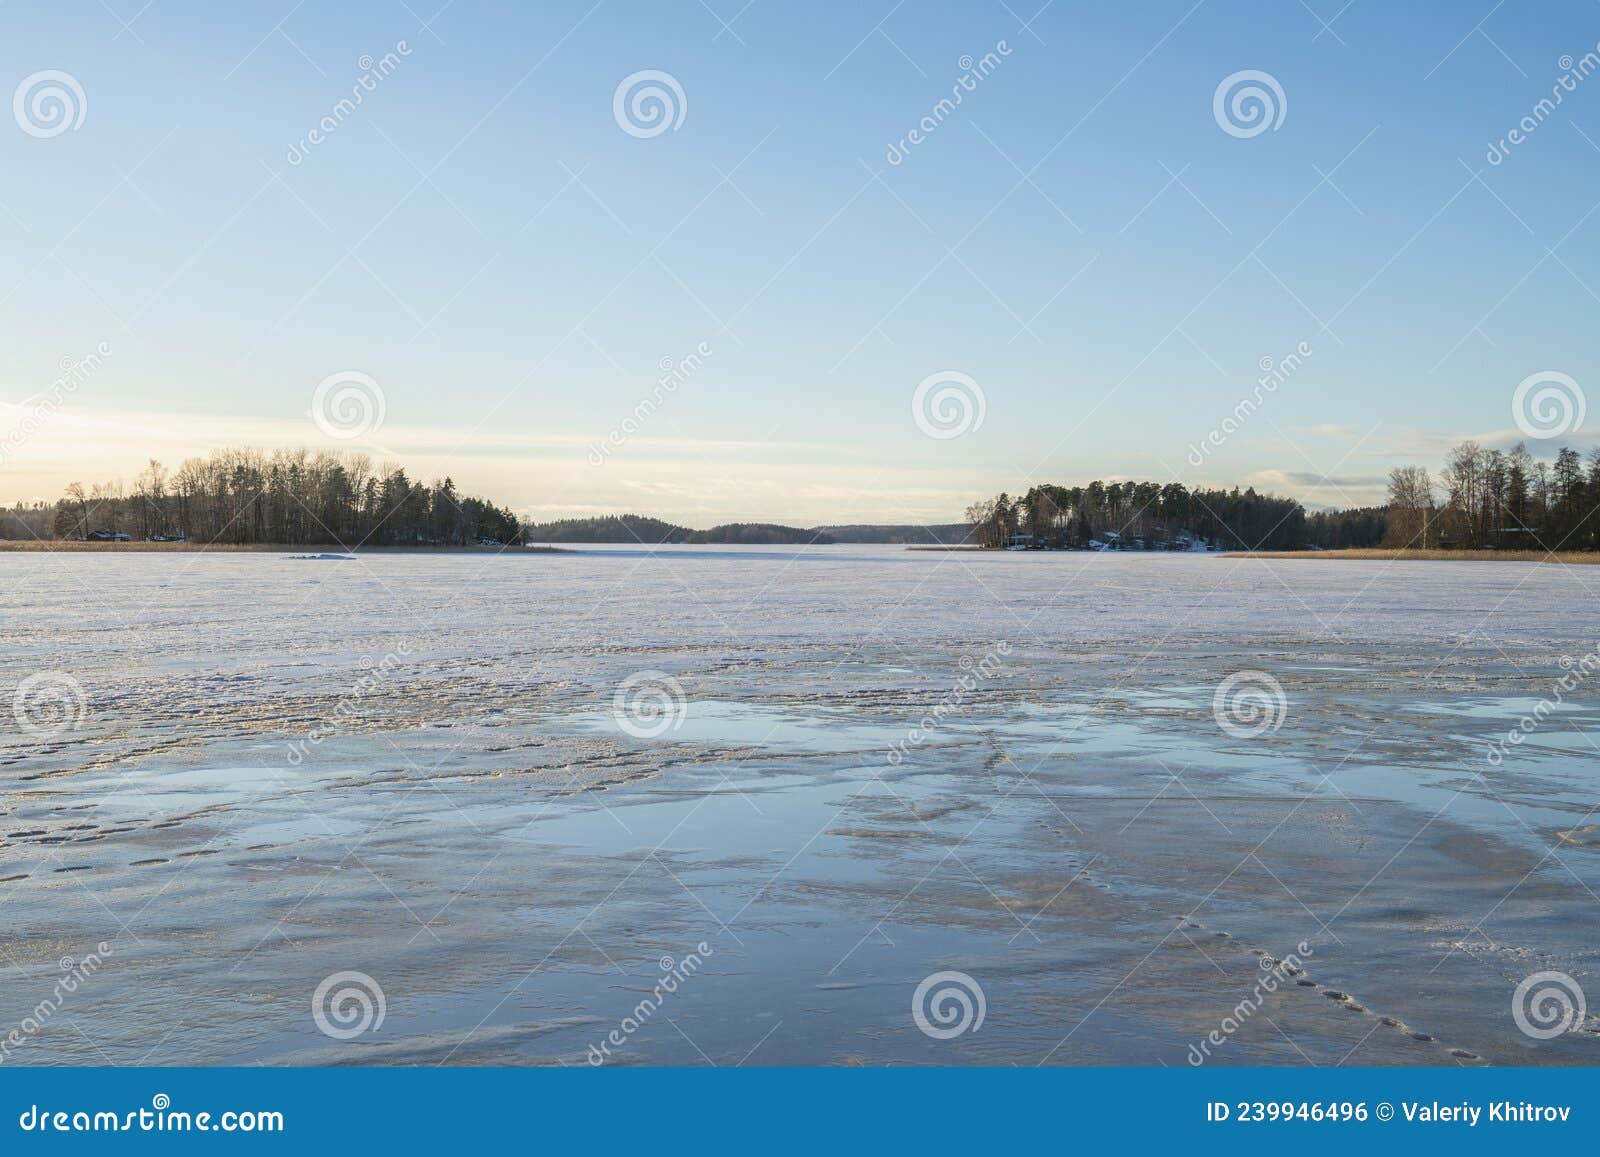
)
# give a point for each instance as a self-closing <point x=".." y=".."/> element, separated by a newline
<point x="410" y="766"/>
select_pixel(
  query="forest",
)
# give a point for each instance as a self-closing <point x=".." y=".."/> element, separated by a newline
<point x="241" y="496"/>
<point x="1140" y="516"/>
<point x="1497" y="500"/>
<point x="1482" y="499"/>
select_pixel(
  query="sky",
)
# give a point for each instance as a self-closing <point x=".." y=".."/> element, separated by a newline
<point x="485" y="266"/>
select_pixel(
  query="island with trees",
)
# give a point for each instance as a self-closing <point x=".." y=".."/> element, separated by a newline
<point x="242" y="497"/>
<point x="632" y="528"/>
<point x="1163" y="516"/>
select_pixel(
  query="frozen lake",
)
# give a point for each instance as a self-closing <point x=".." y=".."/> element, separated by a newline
<point x="831" y="775"/>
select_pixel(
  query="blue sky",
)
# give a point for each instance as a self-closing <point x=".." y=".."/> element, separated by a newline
<point x="1080" y="238"/>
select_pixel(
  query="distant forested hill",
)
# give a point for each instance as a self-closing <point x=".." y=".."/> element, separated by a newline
<point x="636" y="529"/>
<point x="761" y="534"/>
<point x="944" y="534"/>
<point x="630" y="528"/>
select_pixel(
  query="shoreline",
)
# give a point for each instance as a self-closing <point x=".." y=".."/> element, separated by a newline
<point x="1359" y="554"/>
<point x="46" y="546"/>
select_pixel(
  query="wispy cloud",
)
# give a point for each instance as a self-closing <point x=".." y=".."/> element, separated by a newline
<point x="1312" y="478"/>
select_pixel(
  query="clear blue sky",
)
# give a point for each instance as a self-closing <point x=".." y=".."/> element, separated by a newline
<point x="1079" y="236"/>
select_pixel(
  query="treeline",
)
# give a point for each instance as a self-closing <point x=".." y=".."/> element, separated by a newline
<point x="1353" y="529"/>
<point x="1497" y="500"/>
<point x="289" y="496"/>
<point x="615" y="528"/>
<point x="28" y="520"/>
<point x="903" y="533"/>
<point x="1145" y="516"/>
<point x="637" y="529"/>
<point x="761" y="534"/>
